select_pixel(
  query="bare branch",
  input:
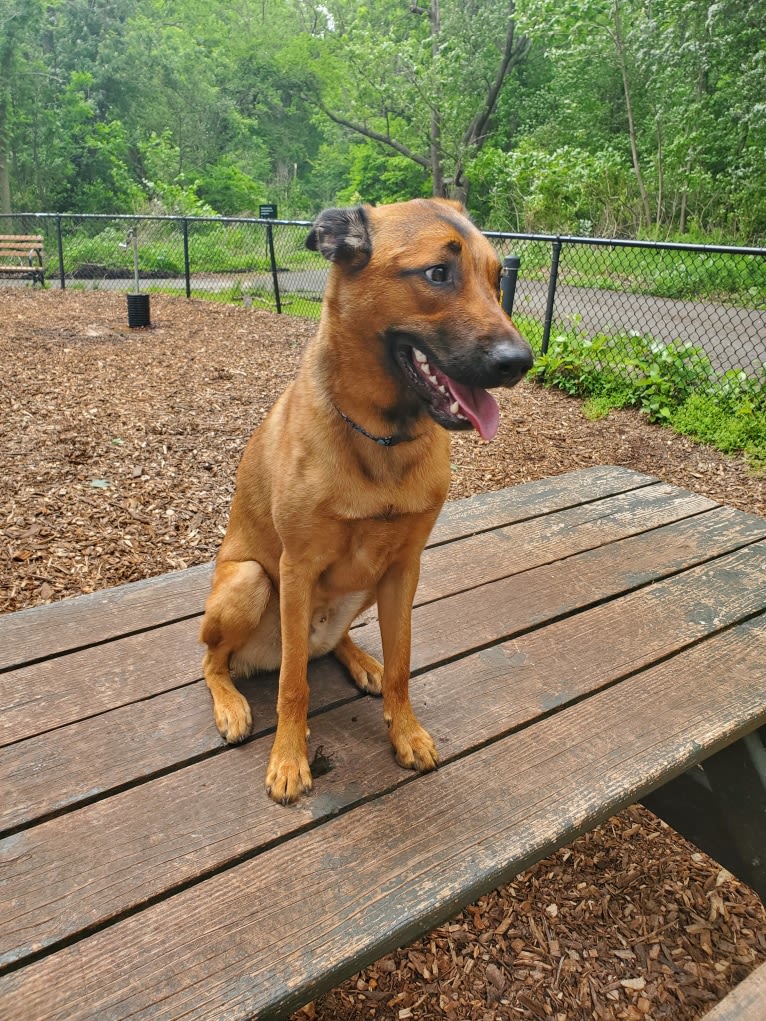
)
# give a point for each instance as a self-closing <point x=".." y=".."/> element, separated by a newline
<point x="514" y="52"/>
<point x="376" y="136"/>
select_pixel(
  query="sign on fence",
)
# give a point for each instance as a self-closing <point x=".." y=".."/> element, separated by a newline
<point x="268" y="211"/>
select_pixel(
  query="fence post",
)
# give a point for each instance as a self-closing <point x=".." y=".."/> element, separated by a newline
<point x="555" y="253"/>
<point x="275" y="279"/>
<point x="60" y="245"/>
<point x="187" y="271"/>
<point x="508" y="277"/>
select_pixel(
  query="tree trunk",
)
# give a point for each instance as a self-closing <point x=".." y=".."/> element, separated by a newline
<point x="660" y="174"/>
<point x="6" y="58"/>
<point x="437" y="171"/>
<point x="685" y="193"/>
<point x="5" y="180"/>
<point x="514" y="50"/>
<point x="619" y="45"/>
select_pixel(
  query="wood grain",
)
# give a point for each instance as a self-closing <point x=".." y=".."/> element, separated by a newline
<point x="52" y="693"/>
<point x="51" y="772"/>
<point x="746" y="1002"/>
<point x="215" y="811"/>
<point x="452" y="626"/>
<point x="85" y="760"/>
<point x="530" y="499"/>
<point x="240" y="945"/>
<point x="478" y="559"/>
<point x="46" y="631"/>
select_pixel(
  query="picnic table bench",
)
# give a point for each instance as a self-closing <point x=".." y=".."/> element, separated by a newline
<point x="21" y="256"/>
<point x="578" y="643"/>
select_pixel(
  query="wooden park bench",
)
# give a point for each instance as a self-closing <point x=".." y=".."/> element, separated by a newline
<point x="21" y="256"/>
<point x="578" y="643"/>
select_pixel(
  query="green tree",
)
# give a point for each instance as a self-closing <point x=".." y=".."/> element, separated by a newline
<point x="19" y="27"/>
<point x="422" y="81"/>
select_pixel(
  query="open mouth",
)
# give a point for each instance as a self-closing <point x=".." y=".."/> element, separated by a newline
<point x="453" y="405"/>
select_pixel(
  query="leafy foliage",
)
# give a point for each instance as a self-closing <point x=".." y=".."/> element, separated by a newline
<point x="611" y="117"/>
<point x="673" y="384"/>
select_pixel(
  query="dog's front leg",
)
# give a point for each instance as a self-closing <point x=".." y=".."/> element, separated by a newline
<point x="413" y="745"/>
<point x="288" y="774"/>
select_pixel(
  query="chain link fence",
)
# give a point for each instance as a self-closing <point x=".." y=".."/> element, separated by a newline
<point x="623" y="305"/>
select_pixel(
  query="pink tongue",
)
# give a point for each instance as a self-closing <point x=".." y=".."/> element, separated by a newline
<point x="478" y="406"/>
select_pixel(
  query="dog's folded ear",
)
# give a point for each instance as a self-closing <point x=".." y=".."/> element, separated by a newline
<point x="343" y="236"/>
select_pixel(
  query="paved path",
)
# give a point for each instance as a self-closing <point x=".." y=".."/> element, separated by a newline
<point x="731" y="336"/>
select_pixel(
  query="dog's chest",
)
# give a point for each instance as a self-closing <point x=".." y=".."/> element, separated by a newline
<point x="365" y="551"/>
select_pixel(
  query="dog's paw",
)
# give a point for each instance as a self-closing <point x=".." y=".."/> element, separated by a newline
<point x="233" y="717"/>
<point x="414" y="747"/>
<point x="287" y="778"/>
<point x="366" y="672"/>
<point x="288" y="775"/>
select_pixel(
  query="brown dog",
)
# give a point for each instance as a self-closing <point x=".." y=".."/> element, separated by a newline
<point x="340" y="486"/>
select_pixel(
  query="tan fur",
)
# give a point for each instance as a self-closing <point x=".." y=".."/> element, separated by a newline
<point x="324" y="521"/>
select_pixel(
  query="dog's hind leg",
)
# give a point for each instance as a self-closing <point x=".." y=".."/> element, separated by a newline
<point x="239" y="595"/>
<point x="366" y="672"/>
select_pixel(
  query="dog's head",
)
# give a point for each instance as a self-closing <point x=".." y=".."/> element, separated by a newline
<point x="425" y="281"/>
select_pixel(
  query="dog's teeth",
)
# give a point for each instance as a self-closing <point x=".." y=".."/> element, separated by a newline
<point x="454" y="407"/>
<point x="442" y="389"/>
<point x="425" y="368"/>
<point x="419" y="356"/>
<point x="434" y="380"/>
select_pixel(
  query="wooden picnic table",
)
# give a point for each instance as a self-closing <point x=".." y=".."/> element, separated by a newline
<point x="577" y="643"/>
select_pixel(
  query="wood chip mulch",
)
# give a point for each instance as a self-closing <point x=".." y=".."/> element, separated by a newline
<point x="118" y="451"/>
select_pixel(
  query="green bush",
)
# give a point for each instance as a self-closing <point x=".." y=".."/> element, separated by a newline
<point x="674" y="384"/>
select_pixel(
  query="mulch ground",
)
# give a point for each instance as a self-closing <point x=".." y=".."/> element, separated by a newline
<point x="119" y="450"/>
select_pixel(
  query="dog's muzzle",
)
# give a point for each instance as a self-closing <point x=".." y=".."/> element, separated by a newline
<point x="455" y="395"/>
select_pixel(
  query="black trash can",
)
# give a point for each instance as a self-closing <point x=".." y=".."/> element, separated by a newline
<point x="138" y="310"/>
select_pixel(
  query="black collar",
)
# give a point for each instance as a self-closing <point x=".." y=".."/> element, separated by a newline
<point x="382" y="441"/>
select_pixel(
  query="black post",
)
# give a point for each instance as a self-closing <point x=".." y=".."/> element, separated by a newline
<point x="508" y="277"/>
<point x="187" y="271"/>
<point x="60" y="244"/>
<point x="556" y="252"/>
<point x="275" y="279"/>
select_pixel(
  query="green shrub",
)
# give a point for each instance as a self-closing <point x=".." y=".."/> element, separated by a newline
<point x="674" y="384"/>
<point x="706" y="418"/>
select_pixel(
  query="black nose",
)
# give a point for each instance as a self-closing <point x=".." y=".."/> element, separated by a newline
<point x="510" y="360"/>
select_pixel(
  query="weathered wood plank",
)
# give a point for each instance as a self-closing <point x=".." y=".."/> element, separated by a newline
<point x="150" y="662"/>
<point x="238" y="946"/>
<point x="452" y="626"/>
<point x="466" y="704"/>
<point x="488" y="556"/>
<point x="86" y="620"/>
<point x="746" y="1002"/>
<point x="55" y="692"/>
<point x="530" y="499"/>
<point x="50" y="772"/>
<point x="86" y="760"/>
<point x="42" y="631"/>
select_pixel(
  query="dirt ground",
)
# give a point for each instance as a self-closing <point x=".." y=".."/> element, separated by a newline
<point x="119" y="450"/>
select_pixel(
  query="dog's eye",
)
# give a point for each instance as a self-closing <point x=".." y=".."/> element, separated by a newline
<point x="437" y="274"/>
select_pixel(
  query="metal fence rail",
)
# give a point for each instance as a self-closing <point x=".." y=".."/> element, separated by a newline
<point x="615" y="296"/>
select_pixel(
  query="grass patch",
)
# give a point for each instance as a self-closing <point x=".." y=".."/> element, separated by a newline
<point x="673" y="384"/>
<point x="226" y="247"/>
